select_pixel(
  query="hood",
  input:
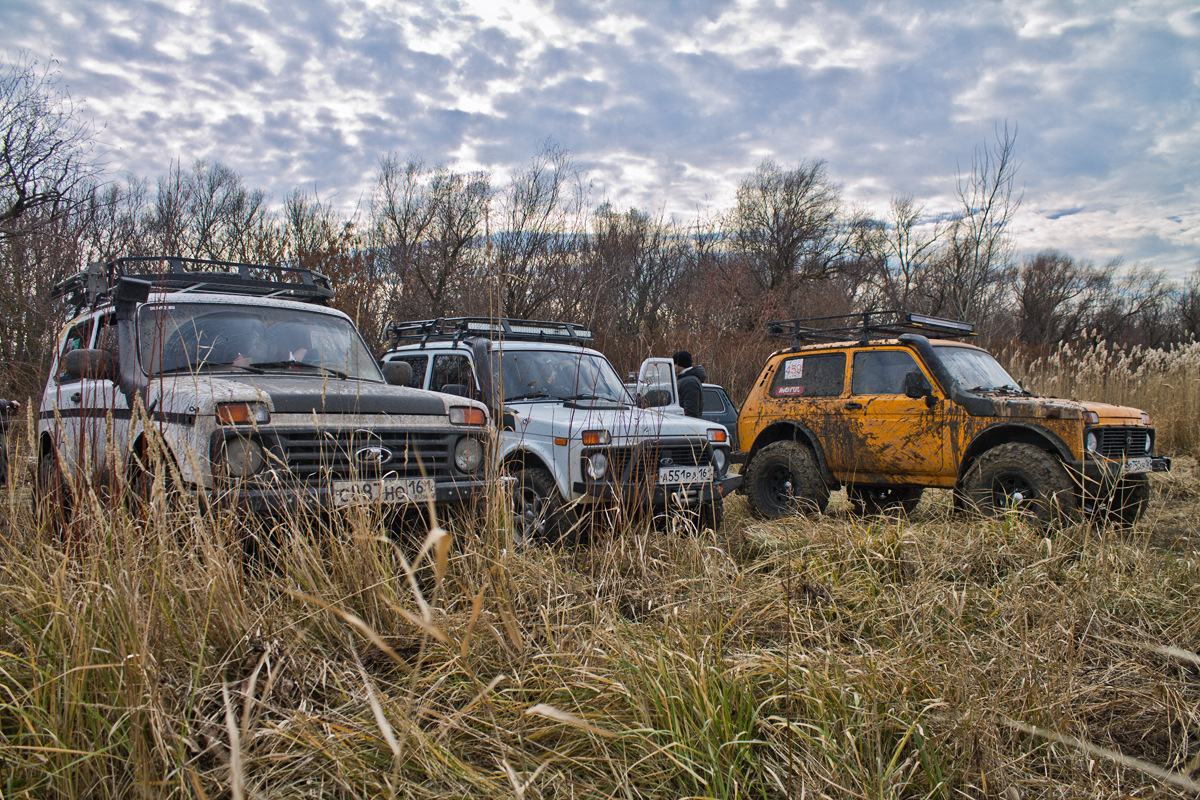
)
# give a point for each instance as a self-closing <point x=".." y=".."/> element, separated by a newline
<point x="623" y="422"/>
<point x="1056" y="408"/>
<point x="696" y="370"/>
<point x="1115" y="415"/>
<point x="307" y="394"/>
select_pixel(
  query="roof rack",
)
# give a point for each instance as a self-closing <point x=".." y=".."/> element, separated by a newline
<point x="865" y="326"/>
<point x="514" y="330"/>
<point x="97" y="283"/>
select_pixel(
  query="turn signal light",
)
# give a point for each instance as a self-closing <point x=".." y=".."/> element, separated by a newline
<point x="242" y="414"/>
<point x="593" y="438"/>
<point x="467" y="415"/>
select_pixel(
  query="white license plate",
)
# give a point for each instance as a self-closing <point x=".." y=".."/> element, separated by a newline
<point x="385" y="490"/>
<point x="1139" y="465"/>
<point x="685" y="475"/>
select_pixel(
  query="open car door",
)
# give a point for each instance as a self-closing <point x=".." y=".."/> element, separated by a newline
<point x="656" y="386"/>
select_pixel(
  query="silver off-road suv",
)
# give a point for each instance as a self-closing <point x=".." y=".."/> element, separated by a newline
<point x="570" y="434"/>
<point x="248" y="388"/>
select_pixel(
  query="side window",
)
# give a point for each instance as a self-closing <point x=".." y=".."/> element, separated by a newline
<point x="107" y="338"/>
<point x="810" y="376"/>
<point x="418" y="364"/>
<point x="881" y="371"/>
<point x="451" y="368"/>
<point x="78" y="338"/>
<point x="713" y="402"/>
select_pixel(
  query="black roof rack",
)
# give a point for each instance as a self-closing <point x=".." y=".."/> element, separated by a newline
<point x="97" y="283"/>
<point x="514" y="330"/>
<point x="866" y="326"/>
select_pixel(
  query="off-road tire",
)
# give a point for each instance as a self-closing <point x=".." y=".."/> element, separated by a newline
<point x="539" y="513"/>
<point x="1129" y="499"/>
<point x="783" y="478"/>
<point x="52" y="502"/>
<point x="1022" y="477"/>
<point x="865" y="499"/>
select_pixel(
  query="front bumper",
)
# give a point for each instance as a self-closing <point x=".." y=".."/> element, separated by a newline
<point x="1107" y="471"/>
<point x="284" y="496"/>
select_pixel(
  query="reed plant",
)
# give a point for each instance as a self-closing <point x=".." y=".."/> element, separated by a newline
<point x="1163" y="382"/>
<point x="351" y="655"/>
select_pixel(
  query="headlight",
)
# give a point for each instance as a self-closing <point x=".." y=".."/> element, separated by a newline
<point x="597" y="465"/>
<point x="719" y="460"/>
<point x="468" y="454"/>
<point x="243" y="414"/>
<point x="1091" y="442"/>
<point x="243" y="457"/>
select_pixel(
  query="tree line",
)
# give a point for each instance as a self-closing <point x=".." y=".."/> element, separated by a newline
<point x="433" y="241"/>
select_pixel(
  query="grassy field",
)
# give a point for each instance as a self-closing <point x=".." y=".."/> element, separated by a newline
<point x="934" y="656"/>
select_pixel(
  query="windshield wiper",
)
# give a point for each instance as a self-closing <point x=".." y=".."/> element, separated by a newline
<point x="534" y="395"/>
<point x="207" y="365"/>
<point x="297" y="364"/>
<point x="590" y="396"/>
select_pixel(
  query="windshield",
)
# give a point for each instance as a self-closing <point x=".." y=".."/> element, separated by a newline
<point x="193" y="337"/>
<point x="976" y="370"/>
<point x="558" y="375"/>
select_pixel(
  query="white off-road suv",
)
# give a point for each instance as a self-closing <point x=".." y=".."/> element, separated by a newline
<point x="569" y="431"/>
<point x="250" y="390"/>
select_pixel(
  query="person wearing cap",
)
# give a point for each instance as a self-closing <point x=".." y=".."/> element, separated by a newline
<point x="690" y="379"/>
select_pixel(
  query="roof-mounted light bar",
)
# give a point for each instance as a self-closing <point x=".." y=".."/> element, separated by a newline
<point x="458" y="328"/>
<point x="867" y="325"/>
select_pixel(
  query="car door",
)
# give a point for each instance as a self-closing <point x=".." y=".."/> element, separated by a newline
<point x="108" y="413"/>
<point x="63" y="405"/>
<point x="891" y="438"/>
<point x="656" y="386"/>
<point x="719" y="408"/>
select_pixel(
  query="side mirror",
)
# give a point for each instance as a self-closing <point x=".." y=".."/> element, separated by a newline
<point x="90" y="365"/>
<point x="916" y="386"/>
<point x="397" y="373"/>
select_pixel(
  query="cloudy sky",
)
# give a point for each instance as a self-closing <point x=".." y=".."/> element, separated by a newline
<point x="665" y="104"/>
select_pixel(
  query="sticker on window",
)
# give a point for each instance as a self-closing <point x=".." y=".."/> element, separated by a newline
<point x="794" y="370"/>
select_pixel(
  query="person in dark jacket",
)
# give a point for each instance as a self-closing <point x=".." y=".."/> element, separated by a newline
<point x="690" y="379"/>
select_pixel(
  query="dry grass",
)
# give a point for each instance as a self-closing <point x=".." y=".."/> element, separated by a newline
<point x="1162" y="382"/>
<point x="835" y="656"/>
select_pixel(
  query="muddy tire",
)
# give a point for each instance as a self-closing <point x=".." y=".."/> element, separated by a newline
<point x="867" y="500"/>
<point x="539" y="513"/>
<point x="1022" y="477"/>
<point x="52" y="496"/>
<point x="783" y="478"/>
<point x="1129" y="500"/>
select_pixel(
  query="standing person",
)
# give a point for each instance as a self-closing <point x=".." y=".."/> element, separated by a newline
<point x="690" y="380"/>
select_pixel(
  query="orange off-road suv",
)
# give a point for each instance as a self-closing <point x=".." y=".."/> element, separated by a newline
<point x="888" y="404"/>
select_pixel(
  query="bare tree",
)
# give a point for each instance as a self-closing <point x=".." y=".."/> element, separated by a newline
<point x="786" y="223"/>
<point x="972" y="267"/>
<point x="538" y="217"/>
<point x="46" y="151"/>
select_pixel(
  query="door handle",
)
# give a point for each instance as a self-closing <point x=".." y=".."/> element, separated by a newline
<point x="853" y="405"/>
<point x="76" y="397"/>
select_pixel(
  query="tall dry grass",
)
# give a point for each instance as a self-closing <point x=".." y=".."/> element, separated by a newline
<point x="824" y="657"/>
<point x="1164" y="383"/>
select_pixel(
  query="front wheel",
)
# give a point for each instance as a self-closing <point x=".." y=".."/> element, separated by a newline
<point x="1130" y="499"/>
<point x="51" y="496"/>
<point x="783" y="478"/>
<point x="539" y="513"/>
<point x="1021" y="477"/>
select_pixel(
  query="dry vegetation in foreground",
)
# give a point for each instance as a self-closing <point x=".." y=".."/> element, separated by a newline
<point x="837" y="657"/>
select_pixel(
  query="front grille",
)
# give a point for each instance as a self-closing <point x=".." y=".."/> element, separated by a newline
<point x="361" y="454"/>
<point x="640" y="463"/>
<point x="1130" y="442"/>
